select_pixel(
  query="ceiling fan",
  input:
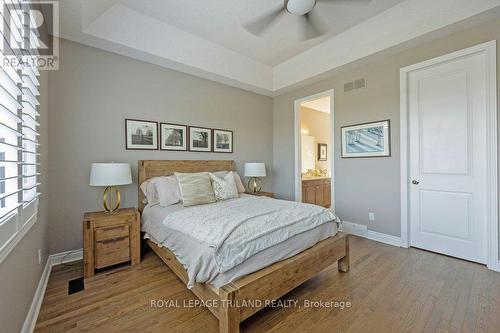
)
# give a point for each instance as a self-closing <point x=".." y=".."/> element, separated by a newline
<point x="311" y="24"/>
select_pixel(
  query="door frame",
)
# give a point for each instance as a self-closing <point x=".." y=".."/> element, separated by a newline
<point x="489" y="50"/>
<point x="298" y="141"/>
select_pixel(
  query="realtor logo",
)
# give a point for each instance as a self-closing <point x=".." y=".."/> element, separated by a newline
<point x="29" y="28"/>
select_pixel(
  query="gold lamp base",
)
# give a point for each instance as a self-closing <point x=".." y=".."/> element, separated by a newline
<point x="254" y="185"/>
<point x="111" y="199"/>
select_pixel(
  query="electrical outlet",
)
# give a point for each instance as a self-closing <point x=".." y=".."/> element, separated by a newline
<point x="371" y="216"/>
<point x="39" y="256"/>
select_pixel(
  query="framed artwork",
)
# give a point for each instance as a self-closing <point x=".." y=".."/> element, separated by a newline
<point x="366" y="140"/>
<point x="223" y="141"/>
<point x="322" y="151"/>
<point x="173" y="137"/>
<point x="141" y="134"/>
<point x="200" y="139"/>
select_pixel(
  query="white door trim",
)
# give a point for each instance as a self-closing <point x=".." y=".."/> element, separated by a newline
<point x="489" y="49"/>
<point x="297" y="173"/>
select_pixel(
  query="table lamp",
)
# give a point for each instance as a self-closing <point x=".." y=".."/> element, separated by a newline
<point x="255" y="171"/>
<point x="110" y="175"/>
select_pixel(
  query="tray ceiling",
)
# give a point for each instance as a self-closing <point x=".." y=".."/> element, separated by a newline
<point x="207" y="39"/>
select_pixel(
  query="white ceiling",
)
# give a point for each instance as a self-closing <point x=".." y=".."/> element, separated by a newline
<point x="221" y="22"/>
<point x="321" y="104"/>
<point x="206" y="38"/>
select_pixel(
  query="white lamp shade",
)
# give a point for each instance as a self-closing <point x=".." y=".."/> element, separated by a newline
<point x="255" y="169"/>
<point x="110" y="174"/>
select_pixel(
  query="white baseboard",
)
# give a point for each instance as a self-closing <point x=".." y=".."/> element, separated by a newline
<point x="354" y="229"/>
<point x="361" y="230"/>
<point x="495" y="268"/>
<point x="384" y="238"/>
<point x="31" y="317"/>
<point x="52" y="260"/>
<point x="64" y="257"/>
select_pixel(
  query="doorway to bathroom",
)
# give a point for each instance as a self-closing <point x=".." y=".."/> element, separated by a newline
<point x="314" y="149"/>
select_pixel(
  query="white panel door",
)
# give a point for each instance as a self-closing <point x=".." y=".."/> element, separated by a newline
<point x="448" y="158"/>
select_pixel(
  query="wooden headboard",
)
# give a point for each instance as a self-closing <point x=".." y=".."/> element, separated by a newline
<point x="155" y="168"/>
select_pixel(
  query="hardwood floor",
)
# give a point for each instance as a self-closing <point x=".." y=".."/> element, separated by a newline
<point x="390" y="289"/>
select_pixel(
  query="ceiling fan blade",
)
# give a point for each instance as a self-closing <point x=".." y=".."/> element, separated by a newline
<point x="260" y="25"/>
<point x="346" y="2"/>
<point x="312" y="25"/>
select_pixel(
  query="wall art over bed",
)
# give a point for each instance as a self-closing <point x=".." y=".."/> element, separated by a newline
<point x="223" y="141"/>
<point x="200" y="139"/>
<point x="148" y="135"/>
<point x="173" y="137"/>
<point x="366" y="140"/>
<point x="141" y="134"/>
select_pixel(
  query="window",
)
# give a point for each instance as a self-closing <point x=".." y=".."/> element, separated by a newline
<point x="19" y="158"/>
<point x="2" y="184"/>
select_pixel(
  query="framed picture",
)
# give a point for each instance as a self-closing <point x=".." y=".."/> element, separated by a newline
<point x="223" y="141"/>
<point x="366" y="140"/>
<point x="173" y="137"/>
<point x="322" y="151"/>
<point x="200" y="139"/>
<point x="141" y="134"/>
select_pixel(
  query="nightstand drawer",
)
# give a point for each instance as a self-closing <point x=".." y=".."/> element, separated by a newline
<point x="111" y="232"/>
<point x="112" y="251"/>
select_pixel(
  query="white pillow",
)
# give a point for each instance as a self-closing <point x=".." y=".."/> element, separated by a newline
<point x="149" y="190"/>
<point x="161" y="190"/>
<point x="168" y="190"/>
<point x="224" y="188"/>
<point x="239" y="183"/>
<point x="237" y="179"/>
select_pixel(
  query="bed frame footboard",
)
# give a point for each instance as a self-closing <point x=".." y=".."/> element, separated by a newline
<point x="242" y="298"/>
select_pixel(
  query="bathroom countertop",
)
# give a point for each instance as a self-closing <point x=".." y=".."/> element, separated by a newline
<point x="315" y="178"/>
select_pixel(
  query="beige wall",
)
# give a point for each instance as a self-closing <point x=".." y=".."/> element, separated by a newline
<point x="20" y="271"/>
<point x="318" y="125"/>
<point x="91" y="95"/>
<point x="372" y="184"/>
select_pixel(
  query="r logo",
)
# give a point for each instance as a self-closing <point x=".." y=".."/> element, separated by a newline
<point x="30" y="28"/>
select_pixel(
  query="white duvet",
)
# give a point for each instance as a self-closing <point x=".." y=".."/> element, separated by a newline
<point x="238" y="229"/>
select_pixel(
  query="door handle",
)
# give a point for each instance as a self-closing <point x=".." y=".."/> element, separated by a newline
<point x="415" y="182"/>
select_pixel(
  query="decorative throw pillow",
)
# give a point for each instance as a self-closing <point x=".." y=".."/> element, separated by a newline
<point x="149" y="190"/>
<point x="220" y="174"/>
<point x="237" y="179"/>
<point x="196" y="188"/>
<point x="224" y="188"/>
<point x="168" y="190"/>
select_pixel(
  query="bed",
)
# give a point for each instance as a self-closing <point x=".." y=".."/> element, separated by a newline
<point x="244" y="289"/>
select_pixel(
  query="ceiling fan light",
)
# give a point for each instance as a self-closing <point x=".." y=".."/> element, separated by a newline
<point x="300" y="7"/>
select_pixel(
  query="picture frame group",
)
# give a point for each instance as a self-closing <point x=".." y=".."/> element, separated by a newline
<point x="151" y="135"/>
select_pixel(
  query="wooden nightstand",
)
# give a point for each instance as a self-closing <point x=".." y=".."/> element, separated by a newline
<point x="110" y="239"/>
<point x="262" y="194"/>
